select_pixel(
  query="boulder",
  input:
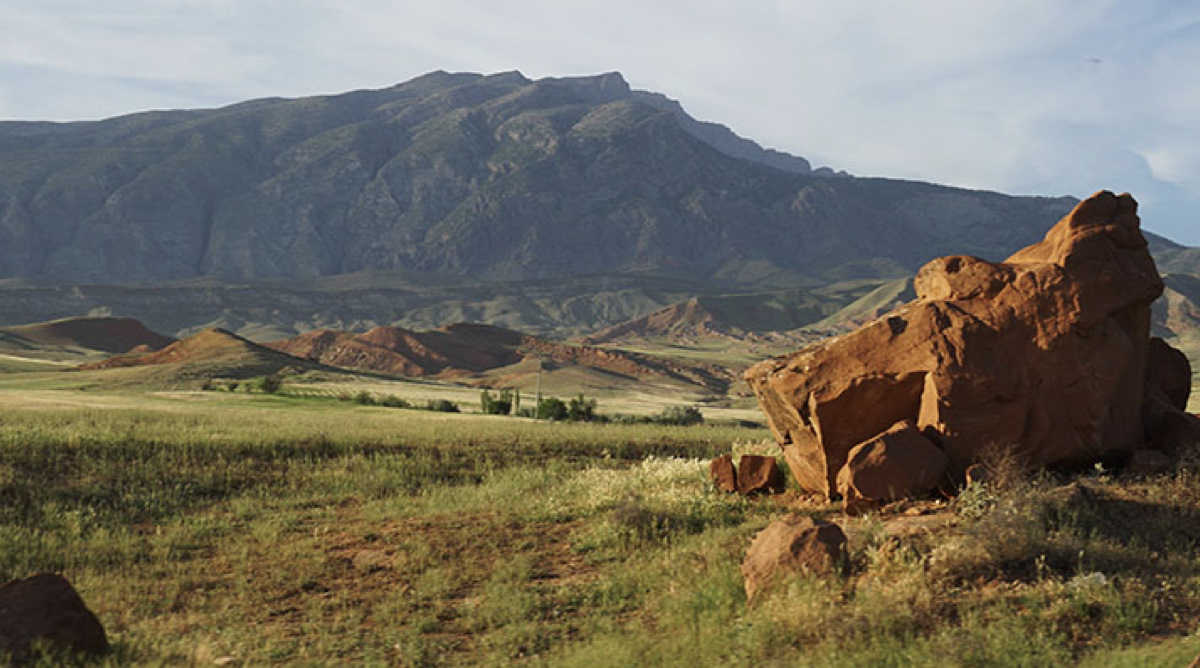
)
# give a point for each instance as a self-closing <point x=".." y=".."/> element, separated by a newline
<point x="46" y="608"/>
<point x="1169" y="371"/>
<point x="899" y="463"/>
<point x="723" y="475"/>
<point x="757" y="474"/>
<point x="1044" y="353"/>
<point x="1148" y="462"/>
<point x="1174" y="431"/>
<point x="1165" y="423"/>
<point x="794" y="544"/>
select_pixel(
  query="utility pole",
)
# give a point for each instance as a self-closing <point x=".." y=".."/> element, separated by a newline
<point x="537" y="401"/>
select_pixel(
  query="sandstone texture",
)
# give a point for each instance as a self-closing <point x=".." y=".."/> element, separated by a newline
<point x="794" y="544"/>
<point x="757" y="474"/>
<point x="897" y="464"/>
<point x="1165" y="422"/>
<point x="723" y="474"/>
<point x="1045" y="353"/>
<point x="46" y="608"/>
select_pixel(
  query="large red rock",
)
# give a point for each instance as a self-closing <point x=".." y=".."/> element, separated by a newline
<point x="1044" y="353"/>
<point x="794" y="544"/>
<point x="46" y="608"/>
<point x="899" y="463"/>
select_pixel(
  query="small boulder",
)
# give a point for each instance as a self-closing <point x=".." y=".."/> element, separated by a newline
<point x="1148" y="462"/>
<point x="756" y="474"/>
<point x="46" y="607"/>
<point x="794" y="544"/>
<point x="1175" y="432"/>
<point x="723" y="474"/>
<point x="1168" y="371"/>
<point x="899" y="463"/>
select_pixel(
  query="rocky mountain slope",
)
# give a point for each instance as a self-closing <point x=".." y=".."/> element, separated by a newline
<point x="557" y="206"/>
<point x="491" y="177"/>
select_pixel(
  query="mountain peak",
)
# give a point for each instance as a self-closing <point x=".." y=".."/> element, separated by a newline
<point x="606" y="87"/>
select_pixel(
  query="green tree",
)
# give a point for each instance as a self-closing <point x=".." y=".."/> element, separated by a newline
<point x="580" y="409"/>
<point x="496" y="405"/>
<point x="552" y="408"/>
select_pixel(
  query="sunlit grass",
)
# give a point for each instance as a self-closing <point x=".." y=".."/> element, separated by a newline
<point x="274" y="530"/>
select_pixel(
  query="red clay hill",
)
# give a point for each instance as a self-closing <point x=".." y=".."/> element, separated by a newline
<point x="111" y="335"/>
<point x="212" y="352"/>
<point x="452" y="351"/>
<point x="458" y="348"/>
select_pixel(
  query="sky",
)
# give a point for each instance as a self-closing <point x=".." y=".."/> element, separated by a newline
<point x="1030" y="97"/>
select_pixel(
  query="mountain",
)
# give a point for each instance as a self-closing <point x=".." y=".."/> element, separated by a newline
<point x="725" y="316"/>
<point x="492" y="178"/>
<point x="562" y="206"/>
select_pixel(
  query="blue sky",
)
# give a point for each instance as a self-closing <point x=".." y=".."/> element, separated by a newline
<point x="1046" y="97"/>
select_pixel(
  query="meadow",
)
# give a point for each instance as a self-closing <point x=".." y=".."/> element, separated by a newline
<point x="213" y="528"/>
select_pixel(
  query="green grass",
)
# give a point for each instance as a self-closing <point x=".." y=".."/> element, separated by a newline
<point x="293" y="531"/>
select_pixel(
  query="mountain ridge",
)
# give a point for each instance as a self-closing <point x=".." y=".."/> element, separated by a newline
<point x="495" y="177"/>
<point x="558" y="206"/>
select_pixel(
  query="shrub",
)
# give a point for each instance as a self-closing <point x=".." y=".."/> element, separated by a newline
<point x="552" y="408"/>
<point x="268" y="384"/>
<point x="681" y="415"/>
<point x="364" y="398"/>
<point x="581" y="410"/>
<point x="393" y="401"/>
<point x="442" y="406"/>
<point x="501" y="405"/>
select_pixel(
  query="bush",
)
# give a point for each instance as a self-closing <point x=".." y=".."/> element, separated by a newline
<point x="552" y="408"/>
<point x="681" y="415"/>
<point x="501" y="405"/>
<point x="268" y="384"/>
<point x="442" y="406"/>
<point x="581" y="410"/>
<point x="364" y="398"/>
<point x="393" y="401"/>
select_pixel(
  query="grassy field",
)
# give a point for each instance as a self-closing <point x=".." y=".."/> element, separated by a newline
<point x="224" y="528"/>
